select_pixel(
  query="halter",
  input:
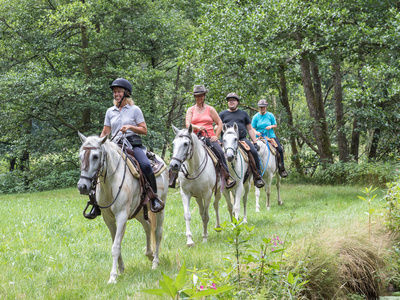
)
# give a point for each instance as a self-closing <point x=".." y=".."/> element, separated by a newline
<point x="190" y="154"/>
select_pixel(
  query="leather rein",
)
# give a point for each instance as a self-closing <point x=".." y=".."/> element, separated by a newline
<point x="189" y="155"/>
<point x="94" y="180"/>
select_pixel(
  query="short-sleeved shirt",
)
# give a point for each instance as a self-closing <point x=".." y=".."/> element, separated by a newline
<point x="128" y="115"/>
<point x="203" y="119"/>
<point x="260" y="122"/>
<point x="239" y="116"/>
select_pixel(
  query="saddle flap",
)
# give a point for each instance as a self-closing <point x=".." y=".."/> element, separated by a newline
<point x="212" y="155"/>
<point x="244" y="145"/>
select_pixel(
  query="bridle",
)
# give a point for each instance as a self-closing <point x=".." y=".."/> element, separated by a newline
<point x="227" y="148"/>
<point x="235" y="151"/>
<point x="189" y="155"/>
<point x="94" y="179"/>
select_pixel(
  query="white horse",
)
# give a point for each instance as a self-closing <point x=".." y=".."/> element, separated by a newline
<point x="269" y="168"/>
<point x="197" y="177"/>
<point x="118" y="193"/>
<point x="237" y="168"/>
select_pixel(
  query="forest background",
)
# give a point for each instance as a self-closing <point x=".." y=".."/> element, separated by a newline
<point x="329" y="70"/>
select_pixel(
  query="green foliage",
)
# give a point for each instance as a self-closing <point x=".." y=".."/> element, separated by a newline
<point x="392" y="198"/>
<point x="368" y="197"/>
<point x="366" y="173"/>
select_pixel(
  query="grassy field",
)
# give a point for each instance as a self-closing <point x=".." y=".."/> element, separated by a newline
<point x="49" y="250"/>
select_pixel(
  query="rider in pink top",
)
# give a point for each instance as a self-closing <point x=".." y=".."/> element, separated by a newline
<point x="202" y="118"/>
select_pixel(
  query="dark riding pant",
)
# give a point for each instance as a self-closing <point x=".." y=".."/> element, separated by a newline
<point x="254" y="153"/>
<point x="145" y="166"/>
<point x="280" y="150"/>
<point x="216" y="147"/>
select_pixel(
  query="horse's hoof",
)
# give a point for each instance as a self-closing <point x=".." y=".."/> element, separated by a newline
<point x="245" y="220"/>
<point x="257" y="209"/>
<point x="112" y="280"/>
<point x="154" y="265"/>
<point x="150" y="256"/>
<point x="204" y="240"/>
<point x="280" y="203"/>
<point x="190" y="244"/>
<point x="268" y="208"/>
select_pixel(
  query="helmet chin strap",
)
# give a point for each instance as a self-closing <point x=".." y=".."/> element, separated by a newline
<point x="122" y="99"/>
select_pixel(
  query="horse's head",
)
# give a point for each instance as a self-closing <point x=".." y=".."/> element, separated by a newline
<point x="91" y="157"/>
<point x="230" y="140"/>
<point x="182" y="147"/>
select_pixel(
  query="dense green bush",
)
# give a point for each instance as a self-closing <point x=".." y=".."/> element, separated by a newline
<point x="393" y="206"/>
<point x="46" y="173"/>
<point x="365" y="173"/>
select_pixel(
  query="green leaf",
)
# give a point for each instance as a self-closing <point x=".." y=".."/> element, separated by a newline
<point x="181" y="277"/>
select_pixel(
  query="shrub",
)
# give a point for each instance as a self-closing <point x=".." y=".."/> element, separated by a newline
<point x="367" y="173"/>
<point x="393" y="206"/>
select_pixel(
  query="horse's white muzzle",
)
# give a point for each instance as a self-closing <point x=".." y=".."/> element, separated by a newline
<point x="174" y="165"/>
<point x="84" y="186"/>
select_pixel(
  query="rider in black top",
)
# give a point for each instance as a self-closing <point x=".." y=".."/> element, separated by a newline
<point x="242" y="119"/>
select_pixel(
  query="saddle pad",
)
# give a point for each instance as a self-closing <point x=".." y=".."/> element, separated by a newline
<point x="133" y="169"/>
<point x="244" y="154"/>
<point x="271" y="144"/>
<point x="212" y="155"/>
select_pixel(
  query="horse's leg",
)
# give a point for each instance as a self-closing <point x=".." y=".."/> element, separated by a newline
<point x="227" y="196"/>
<point x="204" y="204"/>
<point x="217" y="197"/>
<point x="158" y="231"/>
<point x="186" y="211"/>
<point x="245" y="193"/>
<point x="147" y="230"/>
<point x="236" y="197"/>
<point x="121" y="219"/>
<point x="257" y="192"/>
<point x="268" y="189"/>
<point x="278" y="186"/>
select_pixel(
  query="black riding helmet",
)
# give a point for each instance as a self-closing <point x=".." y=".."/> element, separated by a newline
<point x="123" y="83"/>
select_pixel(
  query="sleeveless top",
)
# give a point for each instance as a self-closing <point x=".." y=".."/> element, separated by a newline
<point x="203" y="119"/>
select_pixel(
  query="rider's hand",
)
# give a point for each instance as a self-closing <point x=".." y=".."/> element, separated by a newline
<point x="256" y="146"/>
<point x="268" y="127"/>
<point x="213" y="138"/>
<point x="124" y="128"/>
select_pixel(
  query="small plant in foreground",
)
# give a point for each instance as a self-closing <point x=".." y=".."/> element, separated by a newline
<point x="369" y="197"/>
<point x="182" y="288"/>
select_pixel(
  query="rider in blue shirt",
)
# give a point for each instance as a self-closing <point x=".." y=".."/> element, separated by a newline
<point x="264" y="123"/>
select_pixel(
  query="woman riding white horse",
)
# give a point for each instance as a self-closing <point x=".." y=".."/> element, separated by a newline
<point x="238" y="168"/>
<point x="118" y="194"/>
<point x="197" y="177"/>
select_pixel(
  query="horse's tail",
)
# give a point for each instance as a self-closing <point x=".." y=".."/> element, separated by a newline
<point x="153" y="228"/>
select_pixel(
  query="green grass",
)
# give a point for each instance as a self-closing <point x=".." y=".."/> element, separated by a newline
<point x="49" y="250"/>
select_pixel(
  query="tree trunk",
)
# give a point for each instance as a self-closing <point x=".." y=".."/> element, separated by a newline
<point x="374" y="144"/>
<point x="285" y="102"/>
<point x="86" y="114"/>
<point x="338" y="94"/>
<point x="355" y="135"/>
<point x="315" y="106"/>
<point x="172" y="108"/>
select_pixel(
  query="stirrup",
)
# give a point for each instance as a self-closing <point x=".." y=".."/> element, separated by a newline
<point x="156" y="205"/>
<point x="94" y="212"/>
<point x="231" y="184"/>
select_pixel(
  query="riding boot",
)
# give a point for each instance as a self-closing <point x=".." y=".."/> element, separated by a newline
<point x="258" y="181"/>
<point x="156" y="204"/>
<point x="229" y="180"/>
<point x="281" y="166"/>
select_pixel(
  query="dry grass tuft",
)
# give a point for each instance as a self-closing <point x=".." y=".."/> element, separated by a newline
<point x="341" y="263"/>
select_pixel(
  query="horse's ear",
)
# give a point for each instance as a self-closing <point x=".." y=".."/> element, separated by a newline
<point x="175" y="129"/>
<point x="82" y="137"/>
<point x="104" y="139"/>
<point x="190" y="129"/>
<point x="224" y="128"/>
<point x="235" y="126"/>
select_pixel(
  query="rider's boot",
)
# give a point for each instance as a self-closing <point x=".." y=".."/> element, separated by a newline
<point x="281" y="166"/>
<point x="258" y="181"/>
<point x="156" y="204"/>
<point x="229" y="180"/>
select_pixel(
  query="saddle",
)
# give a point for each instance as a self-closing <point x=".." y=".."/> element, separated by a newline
<point x="157" y="166"/>
<point x="273" y="146"/>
